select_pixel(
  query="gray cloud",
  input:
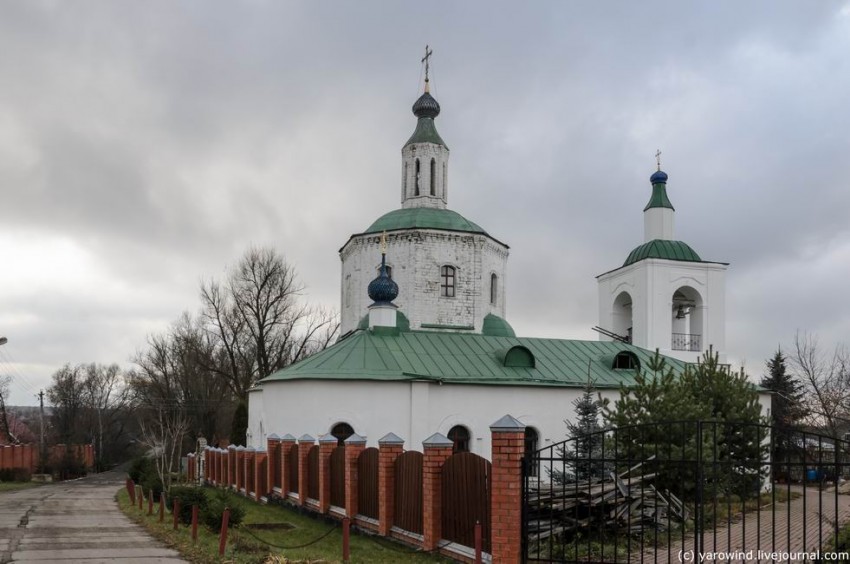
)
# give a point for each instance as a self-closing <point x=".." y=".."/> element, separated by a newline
<point x="145" y="146"/>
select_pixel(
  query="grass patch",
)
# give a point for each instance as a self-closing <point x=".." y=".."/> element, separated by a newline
<point x="267" y="525"/>
<point x="15" y="486"/>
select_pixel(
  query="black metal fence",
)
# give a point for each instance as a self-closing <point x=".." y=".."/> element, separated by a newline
<point x="687" y="491"/>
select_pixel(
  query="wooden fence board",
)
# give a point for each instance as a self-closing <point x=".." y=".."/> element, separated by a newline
<point x="367" y="483"/>
<point x="466" y="498"/>
<point x="408" y="491"/>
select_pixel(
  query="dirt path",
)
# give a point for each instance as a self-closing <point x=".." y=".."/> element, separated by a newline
<point x="77" y="521"/>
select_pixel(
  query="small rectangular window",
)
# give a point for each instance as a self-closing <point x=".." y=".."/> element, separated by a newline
<point x="447" y="285"/>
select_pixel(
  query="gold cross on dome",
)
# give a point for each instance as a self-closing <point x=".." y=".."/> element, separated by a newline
<point x="658" y="158"/>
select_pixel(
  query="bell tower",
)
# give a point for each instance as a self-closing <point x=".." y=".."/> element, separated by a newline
<point x="664" y="296"/>
<point x="425" y="156"/>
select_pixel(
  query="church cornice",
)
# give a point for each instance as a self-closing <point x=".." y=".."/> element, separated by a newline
<point x="359" y="239"/>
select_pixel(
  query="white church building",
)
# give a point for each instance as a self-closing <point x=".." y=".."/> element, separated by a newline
<point x="425" y="345"/>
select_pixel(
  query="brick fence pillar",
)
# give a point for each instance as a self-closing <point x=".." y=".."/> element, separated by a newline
<point x="508" y="446"/>
<point x="240" y="467"/>
<point x="229" y="462"/>
<point x="273" y="450"/>
<point x="437" y="449"/>
<point x="250" y="478"/>
<point x="305" y="443"/>
<point x="261" y="474"/>
<point x="209" y="465"/>
<point x="327" y="444"/>
<point x="354" y="445"/>
<point x="286" y="443"/>
<point x="190" y="467"/>
<point x="390" y="446"/>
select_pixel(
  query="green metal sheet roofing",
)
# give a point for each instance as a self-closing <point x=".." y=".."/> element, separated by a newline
<point x="465" y="359"/>
<point x="423" y="218"/>
<point x="495" y="326"/>
<point x="660" y="248"/>
<point x="659" y="198"/>
<point x="426" y="132"/>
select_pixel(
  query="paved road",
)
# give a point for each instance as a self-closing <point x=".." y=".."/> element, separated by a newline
<point x="783" y="529"/>
<point x="75" y="521"/>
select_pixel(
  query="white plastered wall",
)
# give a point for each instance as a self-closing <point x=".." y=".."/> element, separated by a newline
<point x="651" y="284"/>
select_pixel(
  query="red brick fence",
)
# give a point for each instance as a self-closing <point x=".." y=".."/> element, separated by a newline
<point x="430" y="499"/>
<point x="25" y="457"/>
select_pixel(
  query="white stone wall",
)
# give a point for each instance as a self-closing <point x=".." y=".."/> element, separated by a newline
<point x="651" y="284"/>
<point x="424" y="152"/>
<point x="416" y="257"/>
<point x="412" y="410"/>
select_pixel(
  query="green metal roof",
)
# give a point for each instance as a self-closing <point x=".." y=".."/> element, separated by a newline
<point x="663" y="249"/>
<point x="423" y="218"/>
<point x="426" y="132"/>
<point x="659" y="197"/>
<point x="495" y="326"/>
<point x="463" y="358"/>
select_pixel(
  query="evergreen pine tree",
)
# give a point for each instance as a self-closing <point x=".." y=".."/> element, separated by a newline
<point x="786" y="404"/>
<point x="239" y="426"/>
<point x="583" y="451"/>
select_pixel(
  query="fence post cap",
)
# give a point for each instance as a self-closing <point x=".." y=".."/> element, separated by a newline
<point x="273" y="437"/>
<point x="390" y="439"/>
<point x="231" y="447"/>
<point x="240" y="448"/>
<point x="355" y="439"/>
<point x="305" y="438"/>
<point x="288" y="437"/>
<point x="438" y="440"/>
<point x="508" y="424"/>
<point x="327" y="438"/>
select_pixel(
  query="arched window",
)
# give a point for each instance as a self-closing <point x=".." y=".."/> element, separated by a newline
<point x="445" y="178"/>
<point x="531" y="441"/>
<point x="626" y="360"/>
<point x="447" y="282"/>
<point x="342" y="431"/>
<point x="433" y="177"/>
<point x="494" y="291"/>
<point x="459" y="435"/>
<point x="416" y="190"/>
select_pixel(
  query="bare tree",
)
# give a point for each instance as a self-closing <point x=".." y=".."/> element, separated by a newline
<point x="163" y="430"/>
<point x="260" y="321"/>
<point x="106" y="395"/>
<point x="67" y="394"/>
<point x="6" y="433"/>
<point x="826" y="381"/>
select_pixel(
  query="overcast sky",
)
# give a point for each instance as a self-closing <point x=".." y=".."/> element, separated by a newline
<point x="145" y="145"/>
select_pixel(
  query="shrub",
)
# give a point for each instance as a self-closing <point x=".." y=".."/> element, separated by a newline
<point x="15" y="475"/>
<point x="139" y="466"/>
<point x="188" y="497"/>
<point x="215" y="508"/>
<point x="143" y="472"/>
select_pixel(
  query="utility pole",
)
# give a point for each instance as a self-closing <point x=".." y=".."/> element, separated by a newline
<point x="41" y="429"/>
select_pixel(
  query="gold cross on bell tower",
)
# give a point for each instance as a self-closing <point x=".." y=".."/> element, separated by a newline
<point x="658" y="158"/>
<point x="427" y="59"/>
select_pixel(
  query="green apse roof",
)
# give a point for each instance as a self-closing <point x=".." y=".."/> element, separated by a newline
<point x="495" y="326"/>
<point x="463" y="358"/>
<point x="423" y="218"/>
<point x="663" y="249"/>
<point x="426" y="132"/>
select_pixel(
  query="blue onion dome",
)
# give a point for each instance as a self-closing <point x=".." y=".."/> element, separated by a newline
<point x="659" y="177"/>
<point x="426" y="106"/>
<point x="383" y="289"/>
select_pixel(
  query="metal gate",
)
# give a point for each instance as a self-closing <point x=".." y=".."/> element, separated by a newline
<point x="687" y="491"/>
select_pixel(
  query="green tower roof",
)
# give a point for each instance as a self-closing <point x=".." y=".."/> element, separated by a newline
<point x="659" y="197"/>
<point x="659" y="248"/>
<point x="426" y="132"/>
<point x="423" y="218"/>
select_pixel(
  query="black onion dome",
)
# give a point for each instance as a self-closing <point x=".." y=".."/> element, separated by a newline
<point x="426" y="106"/>
<point x="383" y="289"/>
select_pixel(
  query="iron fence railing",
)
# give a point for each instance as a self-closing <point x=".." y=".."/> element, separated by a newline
<point x="686" y="342"/>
